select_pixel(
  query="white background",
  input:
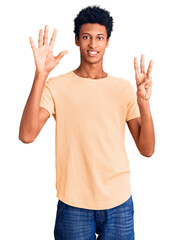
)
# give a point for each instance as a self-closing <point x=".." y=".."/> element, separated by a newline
<point x="27" y="171"/>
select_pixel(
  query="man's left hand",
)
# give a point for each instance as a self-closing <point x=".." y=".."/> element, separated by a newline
<point x="143" y="80"/>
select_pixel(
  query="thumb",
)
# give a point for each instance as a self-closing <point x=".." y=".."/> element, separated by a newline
<point x="59" y="57"/>
<point x="148" y="79"/>
<point x="32" y="44"/>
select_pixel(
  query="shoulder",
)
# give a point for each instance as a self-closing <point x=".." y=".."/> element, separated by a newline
<point x="124" y="83"/>
<point x="52" y="81"/>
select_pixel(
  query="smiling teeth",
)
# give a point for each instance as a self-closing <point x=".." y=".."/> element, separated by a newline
<point x="92" y="52"/>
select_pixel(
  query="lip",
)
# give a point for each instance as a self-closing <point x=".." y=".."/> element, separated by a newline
<point x="92" y="55"/>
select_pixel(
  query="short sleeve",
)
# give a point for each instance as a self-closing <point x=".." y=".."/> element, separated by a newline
<point x="47" y="100"/>
<point x="132" y="105"/>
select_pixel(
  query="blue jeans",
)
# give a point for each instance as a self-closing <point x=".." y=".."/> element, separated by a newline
<point x="73" y="223"/>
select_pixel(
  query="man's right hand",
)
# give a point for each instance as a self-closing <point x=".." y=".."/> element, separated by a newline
<point x="43" y="55"/>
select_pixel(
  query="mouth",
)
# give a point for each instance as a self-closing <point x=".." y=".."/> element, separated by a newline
<point x="92" y="53"/>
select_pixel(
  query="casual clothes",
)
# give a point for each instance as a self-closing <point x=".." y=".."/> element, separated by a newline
<point x="110" y="224"/>
<point x="92" y="167"/>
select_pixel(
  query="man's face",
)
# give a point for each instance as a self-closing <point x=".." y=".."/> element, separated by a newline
<point x="92" y="42"/>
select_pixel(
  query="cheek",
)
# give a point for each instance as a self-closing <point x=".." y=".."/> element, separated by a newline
<point x="102" y="46"/>
<point x="83" y="47"/>
<point x="102" y="50"/>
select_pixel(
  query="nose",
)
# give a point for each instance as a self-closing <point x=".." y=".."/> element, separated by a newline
<point x="92" y="43"/>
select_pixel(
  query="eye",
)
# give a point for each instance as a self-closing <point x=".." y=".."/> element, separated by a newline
<point x="100" y="38"/>
<point x="85" y="37"/>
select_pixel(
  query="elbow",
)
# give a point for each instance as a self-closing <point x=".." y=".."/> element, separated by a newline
<point x="146" y="152"/>
<point x="25" y="139"/>
<point x="27" y="136"/>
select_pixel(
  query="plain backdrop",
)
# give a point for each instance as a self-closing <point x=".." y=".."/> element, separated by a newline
<point x="28" y="199"/>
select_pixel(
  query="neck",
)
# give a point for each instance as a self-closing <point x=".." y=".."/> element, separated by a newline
<point x="93" y="71"/>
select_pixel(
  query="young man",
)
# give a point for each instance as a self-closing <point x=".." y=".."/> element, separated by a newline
<point x="90" y="108"/>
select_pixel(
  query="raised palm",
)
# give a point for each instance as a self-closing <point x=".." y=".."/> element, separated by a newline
<point x="43" y="55"/>
<point x="143" y="80"/>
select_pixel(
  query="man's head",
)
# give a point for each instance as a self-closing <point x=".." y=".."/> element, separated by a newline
<point x="93" y="14"/>
<point x="93" y="27"/>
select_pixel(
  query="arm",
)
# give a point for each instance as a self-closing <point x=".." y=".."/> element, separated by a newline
<point x="147" y="134"/>
<point x="34" y="116"/>
<point x="142" y="131"/>
<point x="142" y="128"/>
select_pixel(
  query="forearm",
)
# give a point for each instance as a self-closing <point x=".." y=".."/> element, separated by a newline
<point x="147" y="134"/>
<point x="30" y="118"/>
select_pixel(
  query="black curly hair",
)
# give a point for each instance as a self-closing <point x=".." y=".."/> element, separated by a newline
<point x="93" y="14"/>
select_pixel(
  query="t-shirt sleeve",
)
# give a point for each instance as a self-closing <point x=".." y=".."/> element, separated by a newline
<point x="132" y="106"/>
<point x="47" y="100"/>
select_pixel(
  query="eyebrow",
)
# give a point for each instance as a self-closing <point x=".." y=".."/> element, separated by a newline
<point x="97" y="34"/>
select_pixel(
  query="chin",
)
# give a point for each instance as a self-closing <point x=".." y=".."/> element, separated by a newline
<point x="92" y="61"/>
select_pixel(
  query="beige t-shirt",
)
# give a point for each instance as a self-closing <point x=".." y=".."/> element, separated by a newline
<point x="92" y="167"/>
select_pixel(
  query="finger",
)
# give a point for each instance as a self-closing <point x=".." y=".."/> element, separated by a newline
<point x="32" y="44"/>
<point x="149" y="70"/>
<point x="146" y="83"/>
<point x="46" y="35"/>
<point x="40" y="41"/>
<point x="136" y="65"/>
<point x="58" y="58"/>
<point x="52" y="41"/>
<point x="142" y="63"/>
<point x="148" y="80"/>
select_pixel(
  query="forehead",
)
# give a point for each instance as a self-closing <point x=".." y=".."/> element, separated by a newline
<point x="93" y="28"/>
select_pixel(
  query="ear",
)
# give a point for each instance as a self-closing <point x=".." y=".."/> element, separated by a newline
<point x="107" y="44"/>
<point x="76" y="41"/>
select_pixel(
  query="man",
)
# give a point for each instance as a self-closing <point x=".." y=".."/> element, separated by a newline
<point x="90" y="108"/>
